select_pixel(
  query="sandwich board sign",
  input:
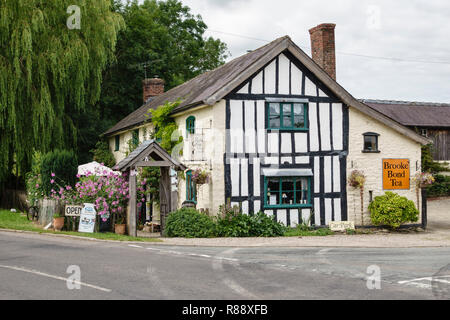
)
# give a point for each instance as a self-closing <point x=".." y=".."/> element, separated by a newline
<point x="87" y="218"/>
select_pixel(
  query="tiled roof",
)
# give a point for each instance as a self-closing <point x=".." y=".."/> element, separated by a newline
<point x="409" y="113"/>
<point x="197" y="90"/>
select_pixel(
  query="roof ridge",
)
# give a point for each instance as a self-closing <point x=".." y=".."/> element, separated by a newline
<point x="401" y="102"/>
<point x="224" y="64"/>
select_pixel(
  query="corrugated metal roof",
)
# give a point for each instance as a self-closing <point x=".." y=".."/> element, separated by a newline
<point x="417" y="114"/>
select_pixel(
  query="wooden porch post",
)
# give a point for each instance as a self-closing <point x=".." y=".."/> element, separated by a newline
<point x="132" y="231"/>
<point x="165" y="195"/>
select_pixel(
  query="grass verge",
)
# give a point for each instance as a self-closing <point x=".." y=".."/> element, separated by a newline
<point x="18" y="221"/>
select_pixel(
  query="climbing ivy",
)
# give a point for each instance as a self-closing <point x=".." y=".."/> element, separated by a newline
<point x="166" y="134"/>
<point x="165" y="127"/>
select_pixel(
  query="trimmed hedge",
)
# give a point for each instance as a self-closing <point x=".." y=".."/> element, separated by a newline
<point x="189" y="223"/>
<point x="440" y="188"/>
<point x="392" y="210"/>
<point x="241" y="225"/>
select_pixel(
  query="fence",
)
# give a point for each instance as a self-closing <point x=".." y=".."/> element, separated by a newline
<point x="13" y="199"/>
<point x="47" y="208"/>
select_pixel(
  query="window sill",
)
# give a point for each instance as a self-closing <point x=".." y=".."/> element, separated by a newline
<point x="299" y="206"/>
<point x="287" y="129"/>
<point x="371" y="151"/>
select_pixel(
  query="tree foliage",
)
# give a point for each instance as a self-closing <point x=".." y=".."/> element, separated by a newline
<point x="102" y="154"/>
<point x="428" y="163"/>
<point x="49" y="72"/>
<point x="166" y="36"/>
<point x="60" y="166"/>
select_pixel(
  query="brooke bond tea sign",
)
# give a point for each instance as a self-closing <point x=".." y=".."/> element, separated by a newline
<point x="396" y="174"/>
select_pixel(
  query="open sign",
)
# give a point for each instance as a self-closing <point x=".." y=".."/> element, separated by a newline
<point x="73" y="211"/>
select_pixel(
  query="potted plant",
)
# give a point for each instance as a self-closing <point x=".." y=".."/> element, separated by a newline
<point x="58" y="221"/>
<point x="119" y="225"/>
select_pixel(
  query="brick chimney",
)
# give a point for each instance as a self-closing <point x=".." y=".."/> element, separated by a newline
<point x="323" y="47"/>
<point x="152" y="88"/>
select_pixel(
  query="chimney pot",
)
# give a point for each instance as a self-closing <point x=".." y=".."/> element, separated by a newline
<point x="152" y="88"/>
<point x="323" y="47"/>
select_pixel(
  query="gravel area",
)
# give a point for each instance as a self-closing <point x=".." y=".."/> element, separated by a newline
<point x="436" y="235"/>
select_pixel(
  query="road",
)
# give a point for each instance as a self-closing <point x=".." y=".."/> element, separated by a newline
<point x="35" y="267"/>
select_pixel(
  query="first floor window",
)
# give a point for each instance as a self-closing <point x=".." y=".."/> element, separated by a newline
<point x="281" y="192"/>
<point x="190" y="188"/>
<point x="190" y="125"/>
<point x="117" y="143"/>
<point x="371" y="142"/>
<point x="136" y="137"/>
<point x="287" y="116"/>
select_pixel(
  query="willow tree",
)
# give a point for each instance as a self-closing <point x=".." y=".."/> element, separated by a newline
<point x="50" y="67"/>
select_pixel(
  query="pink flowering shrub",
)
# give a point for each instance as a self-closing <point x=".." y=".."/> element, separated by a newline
<point x="109" y="194"/>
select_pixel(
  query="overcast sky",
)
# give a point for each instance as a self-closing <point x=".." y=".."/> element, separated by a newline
<point x="404" y="29"/>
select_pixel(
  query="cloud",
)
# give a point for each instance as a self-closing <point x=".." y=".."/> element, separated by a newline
<point x="410" y="30"/>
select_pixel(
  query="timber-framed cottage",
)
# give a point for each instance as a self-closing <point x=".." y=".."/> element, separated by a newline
<point x="278" y="134"/>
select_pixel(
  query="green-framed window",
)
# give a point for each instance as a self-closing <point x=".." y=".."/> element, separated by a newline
<point x="117" y="143"/>
<point x="190" y="188"/>
<point x="287" y="116"/>
<point x="190" y="125"/>
<point x="287" y="192"/>
<point x="136" y="137"/>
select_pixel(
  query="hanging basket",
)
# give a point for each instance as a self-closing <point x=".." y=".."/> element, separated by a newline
<point x="200" y="177"/>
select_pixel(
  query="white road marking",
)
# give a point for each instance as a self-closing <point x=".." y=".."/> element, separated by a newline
<point x="178" y="253"/>
<point x="416" y="283"/>
<point x="55" y="277"/>
<point x="135" y="246"/>
<point x="323" y="251"/>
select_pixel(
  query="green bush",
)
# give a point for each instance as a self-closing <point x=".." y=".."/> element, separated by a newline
<point x="33" y="179"/>
<point x="102" y="154"/>
<point x="392" y="210"/>
<point x="232" y="223"/>
<point x="63" y="164"/>
<point x="189" y="223"/>
<point x="440" y="187"/>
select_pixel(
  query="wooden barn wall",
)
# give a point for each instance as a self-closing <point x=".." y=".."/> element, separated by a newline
<point x="441" y="144"/>
<point x="323" y="148"/>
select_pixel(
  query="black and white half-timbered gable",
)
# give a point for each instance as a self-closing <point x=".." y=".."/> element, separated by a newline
<point x="286" y="145"/>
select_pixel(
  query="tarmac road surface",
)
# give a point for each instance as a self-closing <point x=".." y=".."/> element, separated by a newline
<point x="36" y="266"/>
